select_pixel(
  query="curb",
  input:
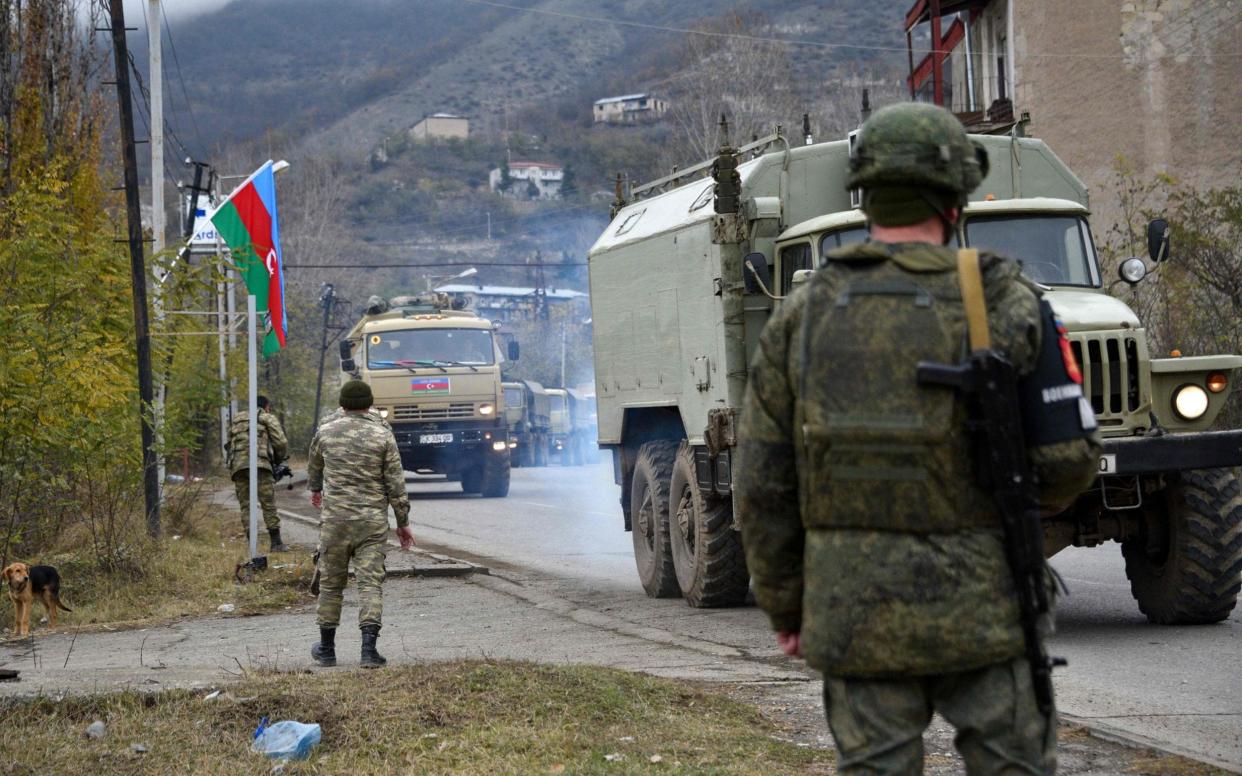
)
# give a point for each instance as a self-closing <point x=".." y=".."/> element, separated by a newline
<point x="433" y="565"/>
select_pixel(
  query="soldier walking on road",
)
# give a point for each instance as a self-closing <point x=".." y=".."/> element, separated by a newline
<point x="273" y="450"/>
<point x="354" y="475"/>
<point x="872" y="535"/>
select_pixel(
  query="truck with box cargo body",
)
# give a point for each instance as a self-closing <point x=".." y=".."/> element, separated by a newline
<point x="560" y="425"/>
<point x="435" y="374"/>
<point x="687" y="273"/>
<point x="527" y="409"/>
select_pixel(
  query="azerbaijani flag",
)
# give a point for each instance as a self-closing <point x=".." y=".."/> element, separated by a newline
<point x="247" y="222"/>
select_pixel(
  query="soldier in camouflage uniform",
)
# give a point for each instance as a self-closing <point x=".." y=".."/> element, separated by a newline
<point x="873" y="549"/>
<point x="273" y="449"/>
<point x="354" y="475"/>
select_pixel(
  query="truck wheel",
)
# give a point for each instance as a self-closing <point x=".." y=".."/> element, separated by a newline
<point x="1191" y="571"/>
<point x="472" y="479"/>
<point x="540" y="446"/>
<point x="495" y="480"/>
<point x="525" y="454"/>
<point x="649" y="518"/>
<point x="707" y="552"/>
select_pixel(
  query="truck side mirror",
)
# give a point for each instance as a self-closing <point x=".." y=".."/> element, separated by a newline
<point x="347" y="358"/>
<point x="514" y="350"/>
<point x="755" y="275"/>
<point x="1158" y="244"/>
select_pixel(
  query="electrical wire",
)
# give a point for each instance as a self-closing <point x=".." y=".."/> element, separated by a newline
<point x="189" y="105"/>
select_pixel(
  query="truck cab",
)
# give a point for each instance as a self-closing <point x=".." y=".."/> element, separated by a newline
<point x="435" y="374"/>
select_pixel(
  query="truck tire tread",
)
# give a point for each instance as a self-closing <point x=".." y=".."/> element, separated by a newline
<point x="655" y="464"/>
<point x="1206" y="537"/>
<point x="720" y="576"/>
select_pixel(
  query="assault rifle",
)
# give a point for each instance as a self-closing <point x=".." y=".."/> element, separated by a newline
<point x="990" y="381"/>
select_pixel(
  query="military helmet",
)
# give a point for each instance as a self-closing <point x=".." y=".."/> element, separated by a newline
<point x="920" y="146"/>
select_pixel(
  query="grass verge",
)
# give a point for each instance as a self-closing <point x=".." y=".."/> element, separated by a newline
<point x="189" y="572"/>
<point x="459" y="718"/>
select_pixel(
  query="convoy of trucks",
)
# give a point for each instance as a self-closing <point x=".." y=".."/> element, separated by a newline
<point x="688" y="271"/>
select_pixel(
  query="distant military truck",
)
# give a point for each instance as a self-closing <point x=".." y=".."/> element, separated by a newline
<point x="687" y="273"/>
<point x="435" y="374"/>
<point x="560" y="425"/>
<point x="526" y="410"/>
<point x="584" y="426"/>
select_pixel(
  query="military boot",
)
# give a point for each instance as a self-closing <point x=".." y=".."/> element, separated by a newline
<point x="277" y="544"/>
<point x="324" y="650"/>
<point x="370" y="657"/>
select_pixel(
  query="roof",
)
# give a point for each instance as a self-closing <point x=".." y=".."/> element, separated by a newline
<point x="445" y="116"/>
<point x="1030" y="205"/>
<point x="511" y="291"/>
<point x="545" y="165"/>
<point x="623" y="98"/>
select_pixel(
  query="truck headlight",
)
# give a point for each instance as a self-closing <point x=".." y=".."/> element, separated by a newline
<point x="1133" y="270"/>
<point x="1190" y="402"/>
<point x="499" y="445"/>
<point x="487" y="409"/>
<point x="383" y="413"/>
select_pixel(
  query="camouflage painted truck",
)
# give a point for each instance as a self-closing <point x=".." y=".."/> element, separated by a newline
<point x="435" y="373"/>
<point x="677" y="311"/>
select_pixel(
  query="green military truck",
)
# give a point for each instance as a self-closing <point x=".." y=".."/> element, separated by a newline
<point x="527" y="412"/>
<point x="686" y="274"/>
<point x="435" y="373"/>
<point x="560" y="425"/>
<point x="584" y="426"/>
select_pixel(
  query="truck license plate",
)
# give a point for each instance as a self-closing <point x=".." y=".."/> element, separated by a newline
<point x="434" y="439"/>
<point x="1108" y="463"/>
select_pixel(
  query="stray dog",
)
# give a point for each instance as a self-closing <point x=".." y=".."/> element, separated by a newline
<point x="26" y="583"/>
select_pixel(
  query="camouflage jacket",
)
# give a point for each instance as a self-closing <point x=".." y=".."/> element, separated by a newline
<point x="273" y="446"/>
<point x="872" y="591"/>
<point x="355" y="463"/>
<point x="339" y="413"/>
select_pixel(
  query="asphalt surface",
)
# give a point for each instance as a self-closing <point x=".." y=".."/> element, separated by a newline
<point x="559" y="533"/>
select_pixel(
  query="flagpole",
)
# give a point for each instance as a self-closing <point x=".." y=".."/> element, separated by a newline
<point x="253" y="408"/>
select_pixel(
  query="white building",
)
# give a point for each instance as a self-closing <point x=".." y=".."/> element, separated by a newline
<point x="530" y="180"/>
<point x="441" y="126"/>
<point x="629" y="109"/>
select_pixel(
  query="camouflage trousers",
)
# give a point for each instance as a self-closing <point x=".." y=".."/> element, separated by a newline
<point x="267" y="498"/>
<point x="878" y="724"/>
<point x="363" y="541"/>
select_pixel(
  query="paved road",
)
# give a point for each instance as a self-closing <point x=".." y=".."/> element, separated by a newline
<point x="560" y="532"/>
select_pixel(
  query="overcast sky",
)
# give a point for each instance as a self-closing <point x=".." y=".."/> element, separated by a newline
<point x="175" y="9"/>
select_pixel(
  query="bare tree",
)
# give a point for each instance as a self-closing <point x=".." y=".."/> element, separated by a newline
<point x="723" y="71"/>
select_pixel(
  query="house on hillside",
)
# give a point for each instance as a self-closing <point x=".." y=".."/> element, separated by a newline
<point x="629" y="109"/>
<point x="1154" y="81"/>
<point x="441" y="126"/>
<point x="528" y="180"/>
<point x="514" y="303"/>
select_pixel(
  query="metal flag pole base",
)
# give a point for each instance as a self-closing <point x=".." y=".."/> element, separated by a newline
<point x="257" y="562"/>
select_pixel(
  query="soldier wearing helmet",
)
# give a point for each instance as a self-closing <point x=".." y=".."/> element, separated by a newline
<point x="873" y="544"/>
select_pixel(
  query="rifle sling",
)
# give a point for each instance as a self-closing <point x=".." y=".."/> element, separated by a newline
<point x="971" y="279"/>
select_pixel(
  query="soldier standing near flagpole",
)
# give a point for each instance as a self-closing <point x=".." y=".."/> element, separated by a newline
<point x="354" y="475"/>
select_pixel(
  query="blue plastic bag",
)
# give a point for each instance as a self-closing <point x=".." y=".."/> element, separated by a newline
<point x="285" y="740"/>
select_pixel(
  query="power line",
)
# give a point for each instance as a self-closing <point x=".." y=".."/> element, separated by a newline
<point x="777" y="41"/>
<point x="189" y="106"/>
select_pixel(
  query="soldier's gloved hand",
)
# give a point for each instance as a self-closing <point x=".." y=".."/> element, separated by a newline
<point x="790" y="642"/>
<point x="316" y="499"/>
<point x="406" y="536"/>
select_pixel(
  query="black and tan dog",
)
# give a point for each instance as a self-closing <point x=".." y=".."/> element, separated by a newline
<point x="26" y="583"/>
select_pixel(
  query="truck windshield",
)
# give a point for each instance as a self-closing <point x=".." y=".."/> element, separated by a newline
<point x="513" y="397"/>
<point x="430" y="347"/>
<point x="847" y="236"/>
<point x="1055" y="250"/>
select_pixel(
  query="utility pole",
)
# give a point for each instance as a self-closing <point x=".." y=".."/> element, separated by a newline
<point x="137" y="266"/>
<point x="155" y="44"/>
<point x="327" y="298"/>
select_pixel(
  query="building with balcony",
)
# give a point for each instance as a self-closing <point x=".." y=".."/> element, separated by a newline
<point x="629" y="109"/>
<point x="1153" y="81"/>
<point x="529" y="180"/>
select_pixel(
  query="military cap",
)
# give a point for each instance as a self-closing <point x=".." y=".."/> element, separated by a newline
<point x="356" y="395"/>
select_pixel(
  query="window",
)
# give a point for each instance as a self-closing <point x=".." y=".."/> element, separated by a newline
<point x="848" y="236"/>
<point x="513" y="397"/>
<point x="1055" y="250"/>
<point x="409" y="348"/>
<point x="629" y="222"/>
<point x="793" y="258"/>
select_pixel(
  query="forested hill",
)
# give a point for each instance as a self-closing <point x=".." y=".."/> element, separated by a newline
<point x="343" y="75"/>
